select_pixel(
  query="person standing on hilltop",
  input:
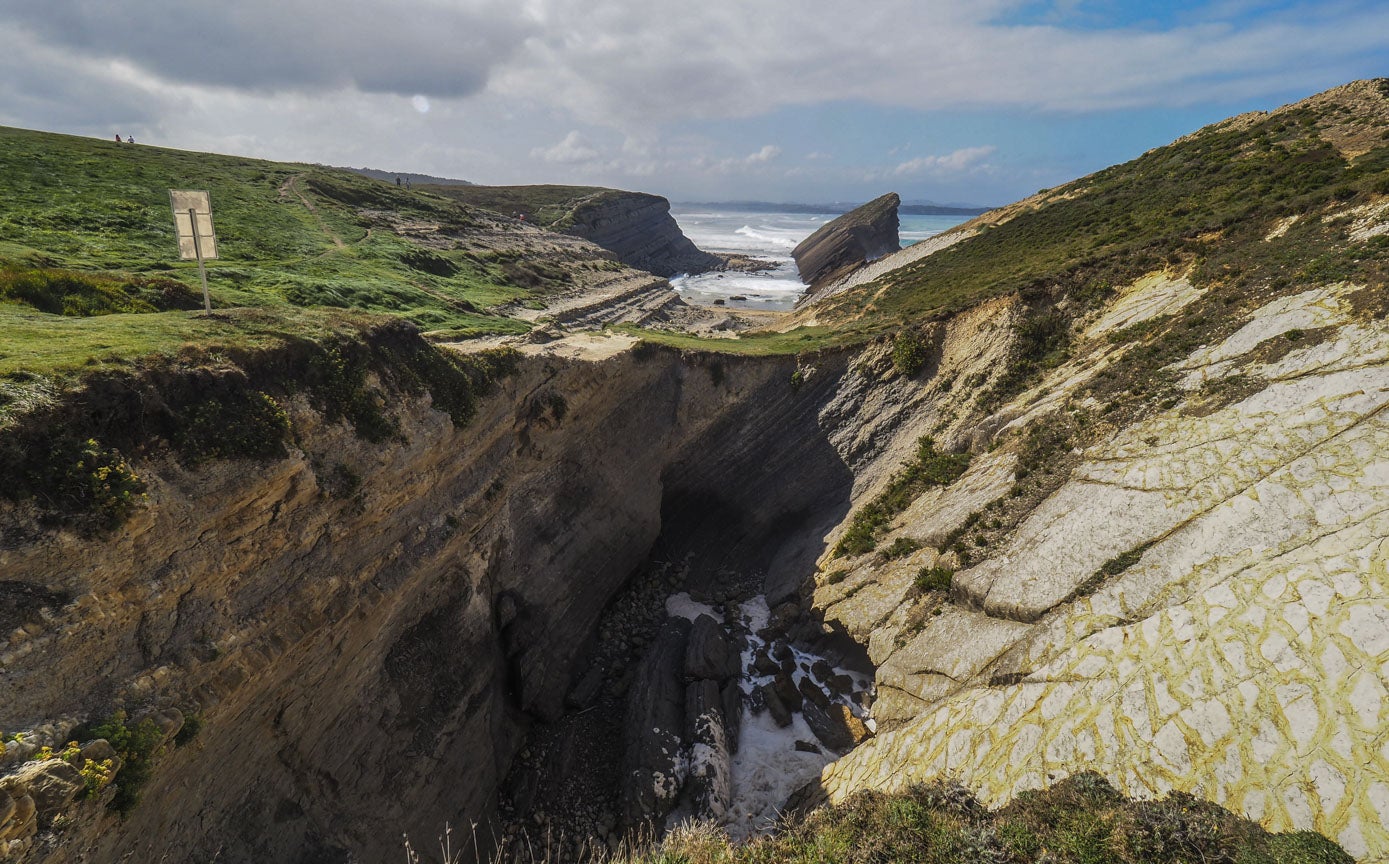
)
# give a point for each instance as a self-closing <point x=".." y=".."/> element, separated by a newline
<point x="118" y="137"/>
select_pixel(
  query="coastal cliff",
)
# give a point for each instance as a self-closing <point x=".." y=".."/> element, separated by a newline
<point x="639" y="230"/>
<point x="636" y="227"/>
<point x="846" y="243"/>
<point x="1094" y="488"/>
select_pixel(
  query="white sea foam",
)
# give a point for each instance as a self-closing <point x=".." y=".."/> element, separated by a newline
<point x="682" y="606"/>
<point x="769" y="237"/>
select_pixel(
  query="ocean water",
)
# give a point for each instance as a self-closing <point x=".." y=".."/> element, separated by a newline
<point x="771" y="237"/>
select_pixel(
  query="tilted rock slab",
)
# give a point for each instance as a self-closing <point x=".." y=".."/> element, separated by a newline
<point x="845" y="243"/>
<point x="1244" y="658"/>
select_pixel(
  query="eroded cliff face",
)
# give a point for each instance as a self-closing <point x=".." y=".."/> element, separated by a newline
<point x="366" y="630"/>
<point x="842" y="245"/>
<point x="1165" y="563"/>
<point x="639" y="230"/>
<point x="1191" y="597"/>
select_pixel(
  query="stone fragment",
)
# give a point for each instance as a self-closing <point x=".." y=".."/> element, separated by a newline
<point x="836" y="727"/>
<point x="585" y="692"/>
<point x="763" y="664"/>
<point x="812" y="693"/>
<point x="710" y="653"/>
<point x="7" y="811"/>
<point x="777" y="708"/>
<point x="22" y="822"/>
<point x="52" y="783"/>
<point x="787" y="691"/>
<point x="806" y="747"/>
<point x="654" y="724"/>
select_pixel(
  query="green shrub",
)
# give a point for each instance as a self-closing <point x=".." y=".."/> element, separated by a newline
<point x="240" y="425"/>
<point x="85" y="478"/>
<point x="62" y="292"/>
<point x="137" y="744"/>
<point x="900" y="548"/>
<point x="1080" y="820"/>
<point x="192" y="725"/>
<point x="928" y="468"/>
<point x="935" y="579"/>
<point x="909" y="352"/>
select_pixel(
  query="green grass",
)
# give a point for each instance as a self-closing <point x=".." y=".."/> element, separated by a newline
<point x="543" y="204"/>
<point x="288" y="235"/>
<point x="755" y="344"/>
<point x="934" y="579"/>
<point x="1081" y="820"/>
<point x="35" y="344"/>
<point x="1128" y="219"/>
<point x="928" y="467"/>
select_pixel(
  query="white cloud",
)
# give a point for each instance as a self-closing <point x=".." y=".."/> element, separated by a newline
<point x="570" y="151"/>
<point x="634" y="65"/>
<point x="964" y="159"/>
<point x="766" y="154"/>
<point x="502" y="80"/>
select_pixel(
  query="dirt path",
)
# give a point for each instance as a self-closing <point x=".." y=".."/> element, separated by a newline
<point x="291" y="187"/>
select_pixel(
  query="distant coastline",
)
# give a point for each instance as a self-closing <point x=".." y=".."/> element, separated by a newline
<point x="832" y="209"/>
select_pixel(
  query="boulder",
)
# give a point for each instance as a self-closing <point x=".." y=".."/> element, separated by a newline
<point x="52" y="783"/>
<point x="101" y="750"/>
<point x="21" y="821"/>
<point x="763" y="663"/>
<point x="654" y="724"/>
<point x="710" y="653"/>
<point x="8" y="808"/>
<point x="812" y="693"/>
<point x="766" y="694"/>
<point x="786" y="690"/>
<point x="845" y="244"/>
<point x="836" y="726"/>
<point x="709" y="787"/>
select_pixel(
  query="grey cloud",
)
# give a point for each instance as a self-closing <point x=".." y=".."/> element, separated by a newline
<point x="442" y="50"/>
<point x="637" y="65"/>
<point x="37" y="89"/>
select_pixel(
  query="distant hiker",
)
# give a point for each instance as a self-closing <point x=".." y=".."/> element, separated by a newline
<point x="397" y="181"/>
<point x="407" y="182"/>
<point x="118" y="137"/>
<point x="130" y="139"/>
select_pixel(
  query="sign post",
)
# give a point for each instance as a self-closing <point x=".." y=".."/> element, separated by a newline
<point x="196" y="239"/>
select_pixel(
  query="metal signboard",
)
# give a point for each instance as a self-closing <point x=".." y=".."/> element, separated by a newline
<point x="193" y="223"/>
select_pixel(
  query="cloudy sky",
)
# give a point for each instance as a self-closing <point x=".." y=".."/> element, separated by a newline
<point x="787" y="100"/>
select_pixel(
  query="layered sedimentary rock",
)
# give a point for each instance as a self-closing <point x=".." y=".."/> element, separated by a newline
<point x="1202" y="605"/>
<point x="639" y="230"/>
<point x="1194" y="599"/>
<point x="846" y="243"/>
<point x="366" y="629"/>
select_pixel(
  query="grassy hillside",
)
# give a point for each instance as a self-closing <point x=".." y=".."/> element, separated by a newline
<point x="85" y="229"/>
<point x="1204" y="203"/>
<point x="1208" y="200"/>
<point x="546" y="205"/>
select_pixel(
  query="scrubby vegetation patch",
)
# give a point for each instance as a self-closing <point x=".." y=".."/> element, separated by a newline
<point x="929" y="467"/>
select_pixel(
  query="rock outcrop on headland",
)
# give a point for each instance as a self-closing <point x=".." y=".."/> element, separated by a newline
<point x="639" y="230"/>
<point x="636" y="227"/>
<point x="840" y="246"/>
